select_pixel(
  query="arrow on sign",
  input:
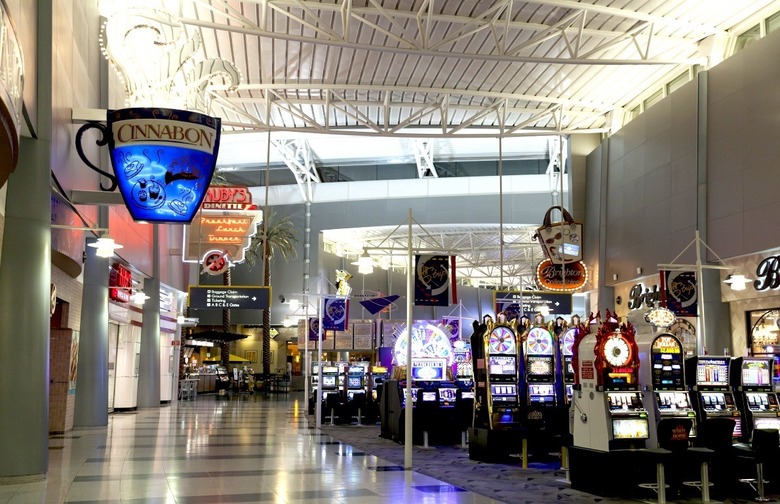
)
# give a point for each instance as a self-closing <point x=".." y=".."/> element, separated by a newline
<point x="254" y="298"/>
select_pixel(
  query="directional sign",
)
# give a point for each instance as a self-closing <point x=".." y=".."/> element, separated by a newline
<point x="234" y="297"/>
<point x="533" y="301"/>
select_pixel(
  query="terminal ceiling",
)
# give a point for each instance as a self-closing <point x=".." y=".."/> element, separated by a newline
<point x="422" y="75"/>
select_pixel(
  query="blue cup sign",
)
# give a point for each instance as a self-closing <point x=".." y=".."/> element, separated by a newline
<point x="163" y="160"/>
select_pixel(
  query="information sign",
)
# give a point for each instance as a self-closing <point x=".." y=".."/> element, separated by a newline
<point x="236" y="298"/>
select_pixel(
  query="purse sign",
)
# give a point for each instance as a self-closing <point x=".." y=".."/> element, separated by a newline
<point x="562" y="240"/>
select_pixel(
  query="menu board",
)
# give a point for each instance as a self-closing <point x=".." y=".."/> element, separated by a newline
<point x="344" y="340"/>
<point x="666" y="357"/>
<point x="364" y="332"/>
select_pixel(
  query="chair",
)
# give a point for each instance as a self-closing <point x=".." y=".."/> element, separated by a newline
<point x="716" y="434"/>
<point x="426" y="413"/>
<point x="464" y="415"/>
<point x="673" y="441"/>
<point x="358" y="406"/>
<point x="764" y="448"/>
<point x="333" y="405"/>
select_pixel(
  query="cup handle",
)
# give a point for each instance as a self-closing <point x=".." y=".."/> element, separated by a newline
<point x="103" y="140"/>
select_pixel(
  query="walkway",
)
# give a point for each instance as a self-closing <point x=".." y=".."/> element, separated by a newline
<point x="215" y="450"/>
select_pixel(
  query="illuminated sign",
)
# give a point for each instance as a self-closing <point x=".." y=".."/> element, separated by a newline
<point x="562" y="278"/>
<point x="222" y="231"/>
<point x="163" y="160"/>
<point x="121" y="281"/>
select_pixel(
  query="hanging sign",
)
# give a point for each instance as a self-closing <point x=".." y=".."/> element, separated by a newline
<point x="335" y="314"/>
<point x="561" y="277"/>
<point x="221" y="233"/>
<point x="163" y="160"/>
<point x="432" y="280"/>
<point x="561" y="241"/>
<point x="679" y="292"/>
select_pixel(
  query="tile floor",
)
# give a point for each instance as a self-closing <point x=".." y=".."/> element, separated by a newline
<point x="215" y="450"/>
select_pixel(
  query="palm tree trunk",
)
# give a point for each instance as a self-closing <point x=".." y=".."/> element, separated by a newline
<point x="266" y="316"/>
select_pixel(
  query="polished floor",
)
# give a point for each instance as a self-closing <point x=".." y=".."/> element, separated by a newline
<point x="216" y="450"/>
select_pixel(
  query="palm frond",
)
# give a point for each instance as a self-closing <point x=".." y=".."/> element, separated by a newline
<point x="282" y="240"/>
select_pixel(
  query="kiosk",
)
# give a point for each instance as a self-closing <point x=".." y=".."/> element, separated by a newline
<point x="708" y="379"/>
<point x="662" y="376"/>
<point x="752" y="383"/>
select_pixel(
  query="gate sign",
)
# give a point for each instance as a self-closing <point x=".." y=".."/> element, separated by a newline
<point x="222" y="231"/>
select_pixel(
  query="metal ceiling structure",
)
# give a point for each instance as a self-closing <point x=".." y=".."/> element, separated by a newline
<point x="428" y="76"/>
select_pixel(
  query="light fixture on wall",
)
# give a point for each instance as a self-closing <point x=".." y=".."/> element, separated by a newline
<point x="139" y="297"/>
<point x="365" y="264"/>
<point x="737" y="282"/>
<point x="105" y="246"/>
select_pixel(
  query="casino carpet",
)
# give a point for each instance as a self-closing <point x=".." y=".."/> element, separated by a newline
<point x="542" y="483"/>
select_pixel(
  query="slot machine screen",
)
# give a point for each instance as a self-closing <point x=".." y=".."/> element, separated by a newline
<point x="672" y="401"/>
<point x="666" y="357"/>
<point x="503" y="393"/>
<point x="428" y="396"/>
<point x="414" y="394"/>
<point x="448" y="394"/>
<point x="539" y="368"/>
<point x="541" y="393"/>
<point x="354" y="382"/>
<point x="568" y="369"/>
<point x="328" y="381"/>
<point x="467" y="395"/>
<point x="630" y="428"/>
<point x="755" y="373"/>
<point x="428" y="369"/>
<point x="712" y="372"/>
<point x="502" y="365"/>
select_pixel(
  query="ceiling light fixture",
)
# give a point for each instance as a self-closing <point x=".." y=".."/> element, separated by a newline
<point x="105" y="246"/>
<point x="737" y="282"/>
<point x="365" y="264"/>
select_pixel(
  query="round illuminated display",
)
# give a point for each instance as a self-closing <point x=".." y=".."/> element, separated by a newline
<point x="568" y="340"/>
<point x="540" y="341"/>
<point x="616" y="351"/>
<point x="502" y="340"/>
<point x="428" y="341"/>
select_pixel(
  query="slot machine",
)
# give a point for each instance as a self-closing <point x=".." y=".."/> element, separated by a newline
<point x="566" y="348"/>
<point x="464" y="369"/>
<point x="356" y="381"/>
<point x="379" y="375"/>
<point x="330" y="380"/>
<point x="608" y="409"/>
<point x="497" y="406"/>
<point x="662" y="376"/>
<point x="708" y="380"/>
<point x="751" y="379"/>
<point x="540" y="367"/>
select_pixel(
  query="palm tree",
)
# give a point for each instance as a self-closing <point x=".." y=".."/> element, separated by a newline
<point x="278" y="237"/>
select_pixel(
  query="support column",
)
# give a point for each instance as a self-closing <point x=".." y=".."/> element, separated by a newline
<point x="91" y="408"/>
<point x="605" y="296"/>
<point x="25" y="286"/>
<point x="716" y="334"/>
<point x="25" y="279"/>
<point x="149" y="365"/>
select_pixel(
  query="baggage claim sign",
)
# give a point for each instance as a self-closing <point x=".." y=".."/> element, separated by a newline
<point x="222" y="230"/>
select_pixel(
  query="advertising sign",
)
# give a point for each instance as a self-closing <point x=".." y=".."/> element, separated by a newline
<point x="120" y="281"/>
<point x="561" y="277"/>
<point x="336" y="314"/>
<point x="432" y="280"/>
<point x="163" y="160"/>
<point x="222" y="231"/>
<point x="680" y="293"/>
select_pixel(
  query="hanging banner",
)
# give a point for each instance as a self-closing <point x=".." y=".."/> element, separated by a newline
<point x="453" y="325"/>
<point x="679" y="292"/>
<point x="335" y="316"/>
<point x="314" y="329"/>
<point x="432" y="280"/>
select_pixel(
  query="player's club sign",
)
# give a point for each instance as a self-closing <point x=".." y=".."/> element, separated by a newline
<point x="163" y="160"/>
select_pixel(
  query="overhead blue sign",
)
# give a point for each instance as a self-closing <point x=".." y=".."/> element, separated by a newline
<point x="163" y="160"/>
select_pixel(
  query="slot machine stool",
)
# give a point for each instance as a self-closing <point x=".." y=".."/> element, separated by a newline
<point x="660" y="457"/>
<point x="765" y="448"/>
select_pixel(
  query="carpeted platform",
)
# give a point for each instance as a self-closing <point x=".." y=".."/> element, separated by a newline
<point x="543" y="482"/>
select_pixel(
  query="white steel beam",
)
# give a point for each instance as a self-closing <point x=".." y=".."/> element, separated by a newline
<point x="423" y="156"/>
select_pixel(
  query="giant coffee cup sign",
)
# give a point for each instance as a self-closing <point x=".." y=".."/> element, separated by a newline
<point x="163" y="160"/>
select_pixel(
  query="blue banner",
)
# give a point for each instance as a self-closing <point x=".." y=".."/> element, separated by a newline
<point x="432" y="280"/>
<point x="335" y="316"/>
<point x="314" y="329"/>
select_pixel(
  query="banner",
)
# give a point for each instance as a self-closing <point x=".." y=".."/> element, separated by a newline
<point x="335" y="314"/>
<point x="453" y="325"/>
<point x="679" y="292"/>
<point x="432" y="280"/>
<point x="314" y="329"/>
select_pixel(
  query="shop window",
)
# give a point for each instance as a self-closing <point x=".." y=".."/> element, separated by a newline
<point x="678" y="82"/>
<point x="763" y="332"/>
<point x="748" y="37"/>
<point x="773" y="22"/>
<point x="653" y="99"/>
